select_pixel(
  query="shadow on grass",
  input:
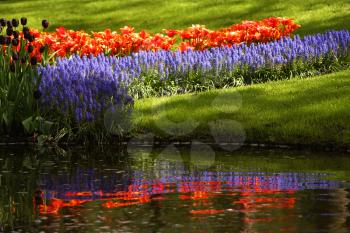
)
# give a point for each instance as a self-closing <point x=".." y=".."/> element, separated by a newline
<point x="311" y="111"/>
<point x="318" y="26"/>
<point x="158" y="14"/>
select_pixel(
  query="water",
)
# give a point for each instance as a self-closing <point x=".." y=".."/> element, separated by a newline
<point x="173" y="189"/>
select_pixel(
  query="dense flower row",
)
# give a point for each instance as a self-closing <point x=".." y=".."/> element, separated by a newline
<point x="66" y="42"/>
<point x="85" y="87"/>
<point x="198" y="37"/>
<point x="20" y="42"/>
<point x="164" y="71"/>
<point x="228" y="59"/>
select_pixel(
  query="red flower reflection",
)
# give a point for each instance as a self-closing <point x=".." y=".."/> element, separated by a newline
<point x="250" y="193"/>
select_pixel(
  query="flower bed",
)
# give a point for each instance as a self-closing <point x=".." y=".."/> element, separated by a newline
<point x="65" y="42"/>
<point x="167" y="72"/>
<point x="198" y="37"/>
<point x="84" y="88"/>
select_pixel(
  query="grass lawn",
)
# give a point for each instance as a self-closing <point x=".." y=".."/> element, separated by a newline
<point x="155" y="15"/>
<point x="312" y="111"/>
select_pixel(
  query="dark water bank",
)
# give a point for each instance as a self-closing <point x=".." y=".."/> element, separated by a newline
<point x="159" y="142"/>
<point x="174" y="188"/>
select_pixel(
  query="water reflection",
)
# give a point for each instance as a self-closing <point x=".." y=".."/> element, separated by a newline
<point x="77" y="193"/>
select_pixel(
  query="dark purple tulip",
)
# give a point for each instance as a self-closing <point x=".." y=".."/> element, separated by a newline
<point x="45" y="23"/>
<point x="9" y="31"/>
<point x="9" y="23"/>
<point x="7" y="40"/>
<point x="24" y="21"/>
<point x="33" y="61"/>
<point x="42" y="49"/>
<point x="15" y="42"/>
<point x="15" y="23"/>
<point x="2" y="40"/>
<point x="30" y="38"/>
<point x="15" y="56"/>
<point x="23" y="60"/>
<point x="3" y="22"/>
<point x="30" y="48"/>
<point x="25" y="30"/>
<point x="27" y="36"/>
<point x="16" y="34"/>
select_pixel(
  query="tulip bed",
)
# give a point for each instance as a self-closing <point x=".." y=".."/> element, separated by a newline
<point x="80" y="75"/>
<point x="65" y="42"/>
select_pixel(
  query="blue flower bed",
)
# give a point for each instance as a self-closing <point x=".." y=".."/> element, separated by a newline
<point x="162" y="73"/>
<point x="83" y="87"/>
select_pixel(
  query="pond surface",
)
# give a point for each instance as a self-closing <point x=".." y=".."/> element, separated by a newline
<point x="173" y="189"/>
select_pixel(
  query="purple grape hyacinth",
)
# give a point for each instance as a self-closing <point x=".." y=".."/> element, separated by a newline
<point x="83" y="87"/>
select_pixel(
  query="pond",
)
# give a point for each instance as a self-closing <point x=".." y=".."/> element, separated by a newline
<point x="194" y="188"/>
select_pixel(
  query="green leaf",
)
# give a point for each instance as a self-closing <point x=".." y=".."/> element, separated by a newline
<point x="46" y="126"/>
<point x="4" y="117"/>
<point x="28" y="124"/>
<point x="42" y="139"/>
<point x="27" y="163"/>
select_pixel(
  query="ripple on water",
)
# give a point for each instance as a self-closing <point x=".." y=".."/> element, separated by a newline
<point x="247" y="193"/>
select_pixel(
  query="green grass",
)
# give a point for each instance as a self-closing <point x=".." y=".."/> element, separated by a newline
<point x="155" y="15"/>
<point x="312" y="111"/>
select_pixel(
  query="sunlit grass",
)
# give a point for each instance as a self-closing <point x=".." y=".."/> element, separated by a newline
<point x="311" y="111"/>
<point x="155" y="15"/>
